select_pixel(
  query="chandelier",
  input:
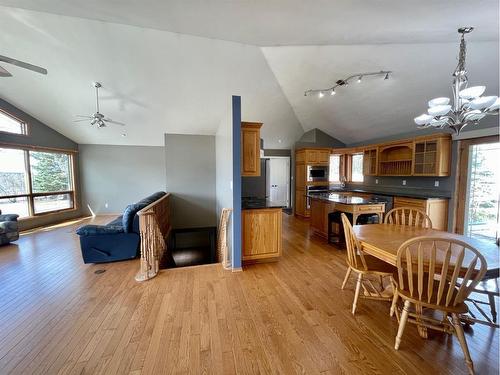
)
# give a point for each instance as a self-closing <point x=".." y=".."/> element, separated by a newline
<point x="469" y="107"/>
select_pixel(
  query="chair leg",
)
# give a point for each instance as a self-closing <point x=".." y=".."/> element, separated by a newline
<point x="394" y="302"/>
<point x="347" y="274"/>
<point x="356" y="293"/>
<point x="491" y="299"/>
<point x="461" y="338"/>
<point x="402" y="323"/>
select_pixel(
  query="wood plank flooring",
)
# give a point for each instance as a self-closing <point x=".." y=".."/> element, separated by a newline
<point x="58" y="317"/>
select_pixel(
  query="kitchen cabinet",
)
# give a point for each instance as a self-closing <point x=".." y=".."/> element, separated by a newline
<point x="301" y="203"/>
<point x="261" y="235"/>
<point x="396" y="159"/>
<point x="319" y="216"/>
<point x="250" y="148"/>
<point x="316" y="156"/>
<point x="432" y="157"/>
<point x="370" y="159"/>
<point x="435" y="208"/>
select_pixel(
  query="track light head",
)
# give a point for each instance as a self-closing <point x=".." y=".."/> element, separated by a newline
<point x="360" y="78"/>
<point x="386" y="76"/>
<point x="332" y="92"/>
<point x="320" y="94"/>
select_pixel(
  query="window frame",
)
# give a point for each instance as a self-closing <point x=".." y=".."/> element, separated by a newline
<point x="348" y="168"/>
<point x="30" y="195"/>
<point x="25" y="128"/>
<point x="341" y="167"/>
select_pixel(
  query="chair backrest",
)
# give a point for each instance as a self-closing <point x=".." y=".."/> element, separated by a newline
<point x="355" y="257"/>
<point x="410" y="216"/>
<point x="423" y="262"/>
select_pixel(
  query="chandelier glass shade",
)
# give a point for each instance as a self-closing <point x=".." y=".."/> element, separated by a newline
<point x="468" y="105"/>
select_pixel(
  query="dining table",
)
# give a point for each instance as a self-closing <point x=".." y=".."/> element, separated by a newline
<point x="383" y="241"/>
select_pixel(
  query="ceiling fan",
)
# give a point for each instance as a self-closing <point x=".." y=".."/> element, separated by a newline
<point x="98" y="118"/>
<point x="5" y="73"/>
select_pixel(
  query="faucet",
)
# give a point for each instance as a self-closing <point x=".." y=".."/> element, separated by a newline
<point x="342" y="181"/>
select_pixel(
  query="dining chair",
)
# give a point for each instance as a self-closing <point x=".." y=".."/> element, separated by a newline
<point x="408" y="216"/>
<point x="364" y="266"/>
<point x="428" y="271"/>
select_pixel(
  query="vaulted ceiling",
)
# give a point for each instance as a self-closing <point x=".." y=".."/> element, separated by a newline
<point x="169" y="66"/>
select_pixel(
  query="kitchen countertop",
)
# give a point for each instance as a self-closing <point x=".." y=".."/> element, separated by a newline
<point x="408" y="193"/>
<point x="259" y="203"/>
<point x="344" y="199"/>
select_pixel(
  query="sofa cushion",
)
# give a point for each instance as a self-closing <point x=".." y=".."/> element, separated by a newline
<point x="128" y="216"/>
<point x="117" y="222"/>
<point x="91" y="230"/>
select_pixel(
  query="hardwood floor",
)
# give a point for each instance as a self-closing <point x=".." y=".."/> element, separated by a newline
<point x="58" y="317"/>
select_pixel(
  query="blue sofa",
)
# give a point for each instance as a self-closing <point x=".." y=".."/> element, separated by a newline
<point x="9" y="228"/>
<point x="117" y="240"/>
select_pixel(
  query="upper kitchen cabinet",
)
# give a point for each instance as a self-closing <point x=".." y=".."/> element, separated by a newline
<point x="395" y="159"/>
<point x="312" y="156"/>
<point x="432" y="156"/>
<point x="370" y="159"/>
<point x="250" y="148"/>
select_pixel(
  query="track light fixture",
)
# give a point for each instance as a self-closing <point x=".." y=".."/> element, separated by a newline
<point x="345" y="82"/>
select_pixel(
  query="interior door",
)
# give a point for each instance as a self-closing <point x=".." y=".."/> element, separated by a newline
<point x="279" y="180"/>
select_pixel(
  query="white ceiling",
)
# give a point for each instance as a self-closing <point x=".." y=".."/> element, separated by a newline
<point x="179" y="80"/>
<point x="154" y="81"/>
<point x="290" y="22"/>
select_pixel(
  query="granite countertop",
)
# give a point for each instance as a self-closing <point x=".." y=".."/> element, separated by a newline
<point x="344" y="199"/>
<point x="259" y="203"/>
<point x="398" y="192"/>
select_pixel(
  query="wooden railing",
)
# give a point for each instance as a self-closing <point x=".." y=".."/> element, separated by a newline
<point x="154" y="227"/>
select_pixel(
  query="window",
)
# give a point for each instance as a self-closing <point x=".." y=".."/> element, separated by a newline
<point x="334" y="173"/>
<point x="10" y="124"/>
<point x="357" y="168"/>
<point x="35" y="182"/>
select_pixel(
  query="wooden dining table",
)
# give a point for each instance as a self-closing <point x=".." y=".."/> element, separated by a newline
<point x="383" y="241"/>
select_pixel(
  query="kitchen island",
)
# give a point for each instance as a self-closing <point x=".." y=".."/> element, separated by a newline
<point x="261" y="226"/>
<point x="323" y="204"/>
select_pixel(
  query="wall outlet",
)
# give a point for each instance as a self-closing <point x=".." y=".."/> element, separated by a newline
<point x="436" y="183"/>
<point x="404" y="182"/>
<point x="106" y="205"/>
<point x="376" y="181"/>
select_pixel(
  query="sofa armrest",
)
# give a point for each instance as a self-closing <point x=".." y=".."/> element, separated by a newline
<point x="9" y="217"/>
<point x="96" y="230"/>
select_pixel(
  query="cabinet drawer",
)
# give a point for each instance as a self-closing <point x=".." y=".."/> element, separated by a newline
<point x="421" y="204"/>
<point x="371" y="208"/>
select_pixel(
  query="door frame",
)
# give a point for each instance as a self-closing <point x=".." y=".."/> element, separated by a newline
<point x="289" y="176"/>
<point x="462" y="176"/>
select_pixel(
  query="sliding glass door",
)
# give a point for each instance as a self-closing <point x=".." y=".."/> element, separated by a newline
<point x="481" y="209"/>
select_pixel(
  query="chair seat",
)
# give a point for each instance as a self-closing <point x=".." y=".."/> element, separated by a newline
<point x="432" y="303"/>
<point x="375" y="265"/>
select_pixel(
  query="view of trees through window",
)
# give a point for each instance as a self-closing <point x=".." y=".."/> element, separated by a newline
<point x="482" y="216"/>
<point x="357" y="168"/>
<point x="51" y="182"/>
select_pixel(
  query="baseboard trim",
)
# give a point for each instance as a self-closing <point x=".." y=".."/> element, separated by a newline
<point x="239" y="269"/>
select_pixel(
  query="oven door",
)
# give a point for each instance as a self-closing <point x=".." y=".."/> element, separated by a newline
<point x="314" y="189"/>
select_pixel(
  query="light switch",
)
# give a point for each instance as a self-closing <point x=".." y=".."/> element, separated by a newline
<point x="436" y="183"/>
<point x="404" y="182"/>
<point x="376" y="181"/>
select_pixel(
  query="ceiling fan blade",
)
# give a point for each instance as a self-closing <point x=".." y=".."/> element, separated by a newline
<point x="81" y="119"/>
<point x="4" y="73"/>
<point x="23" y="64"/>
<point x="114" y="122"/>
<point x="84" y="116"/>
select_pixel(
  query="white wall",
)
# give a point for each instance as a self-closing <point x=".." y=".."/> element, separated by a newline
<point x="224" y="169"/>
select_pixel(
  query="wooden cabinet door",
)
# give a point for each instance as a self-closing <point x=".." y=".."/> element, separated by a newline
<point x="250" y="149"/>
<point x="324" y="156"/>
<point x="300" y="202"/>
<point x="317" y="215"/>
<point x="261" y="230"/>
<point x="300" y="176"/>
<point x="311" y="156"/>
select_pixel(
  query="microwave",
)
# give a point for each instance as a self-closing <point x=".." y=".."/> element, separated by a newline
<point x="317" y="173"/>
